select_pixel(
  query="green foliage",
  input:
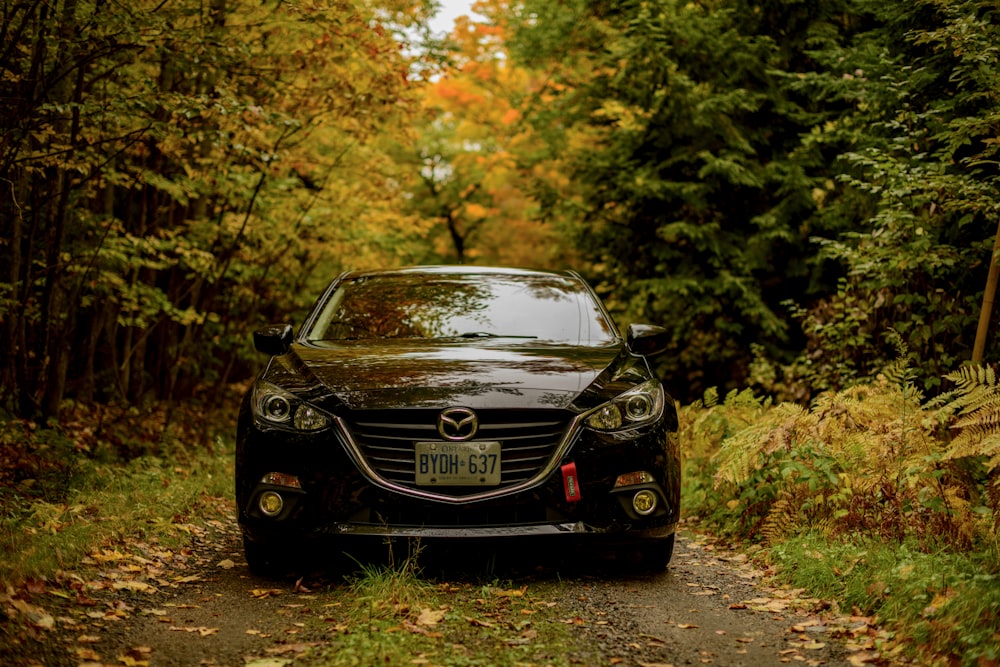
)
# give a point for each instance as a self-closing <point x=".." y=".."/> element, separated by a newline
<point x="778" y="184"/>
<point x="972" y="411"/>
<point x="677" y="140"/>
<point x="178" y="173"/>
<point x="865" y="499"/>
<point x="943" y="603"/>
<point x="914" y="192"/>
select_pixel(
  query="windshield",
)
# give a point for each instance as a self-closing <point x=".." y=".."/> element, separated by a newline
<point x="534" y="307"/>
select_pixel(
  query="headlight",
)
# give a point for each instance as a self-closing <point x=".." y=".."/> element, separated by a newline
<point x="639" y="406"/>
<point x="274" y="405"/>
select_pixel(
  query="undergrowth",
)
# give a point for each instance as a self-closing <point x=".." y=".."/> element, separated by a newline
<point x="101" y="477"/>
<point x="883" y="501"/>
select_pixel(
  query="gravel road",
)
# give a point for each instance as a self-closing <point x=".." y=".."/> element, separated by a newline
<point x="708" y="608"/>
<point x="202" y="607"/>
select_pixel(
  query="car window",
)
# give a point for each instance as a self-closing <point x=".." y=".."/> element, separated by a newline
<point x="542" y="308"/>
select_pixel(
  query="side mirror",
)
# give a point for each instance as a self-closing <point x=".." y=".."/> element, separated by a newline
<point x="274" y="340"/>
<point x="646" y="339"/>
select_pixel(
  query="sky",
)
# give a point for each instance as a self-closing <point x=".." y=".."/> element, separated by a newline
<point x="444" y="20"/>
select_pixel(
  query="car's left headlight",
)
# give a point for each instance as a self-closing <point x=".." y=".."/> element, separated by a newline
<point x="274" y="405"/>
<point x="639" y="406"/>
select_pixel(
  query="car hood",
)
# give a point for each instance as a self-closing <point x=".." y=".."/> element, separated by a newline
<point x="398" y="374"/>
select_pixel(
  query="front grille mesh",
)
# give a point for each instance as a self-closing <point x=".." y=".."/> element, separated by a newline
<point x="528" y="439"/>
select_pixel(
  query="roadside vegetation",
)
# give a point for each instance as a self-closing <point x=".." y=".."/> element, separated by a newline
<point x="871" y="497"/>
<point x="105" y="478"/>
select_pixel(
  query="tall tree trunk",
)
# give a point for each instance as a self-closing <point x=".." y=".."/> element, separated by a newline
<point x="986" y="312"/>
<point x="59" y="306"/>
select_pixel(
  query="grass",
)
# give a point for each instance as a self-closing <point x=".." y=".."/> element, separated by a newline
<point x="53" y="522"/>
<point x="397" y="616"/>
<point x="944" y="605"/>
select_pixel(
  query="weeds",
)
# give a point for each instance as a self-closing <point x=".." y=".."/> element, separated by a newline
<point x="947" y="602"/>
<point x="866" y="499"/>
<point x="45" y="528"/>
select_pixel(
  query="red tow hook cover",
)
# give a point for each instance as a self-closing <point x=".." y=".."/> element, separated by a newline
<point x="571" y="483"/>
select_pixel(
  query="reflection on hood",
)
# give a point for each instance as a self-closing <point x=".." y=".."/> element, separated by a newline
<point x="405" y="373"/>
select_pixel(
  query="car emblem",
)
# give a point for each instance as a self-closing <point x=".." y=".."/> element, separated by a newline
<point x="457" y="424"/>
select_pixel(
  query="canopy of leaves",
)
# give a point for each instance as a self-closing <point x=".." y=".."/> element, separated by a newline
<point x="177" y="172"/>
<point x="786" y="180"/>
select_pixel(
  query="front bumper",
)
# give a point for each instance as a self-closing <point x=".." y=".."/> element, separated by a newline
<point x="338" y="495"/>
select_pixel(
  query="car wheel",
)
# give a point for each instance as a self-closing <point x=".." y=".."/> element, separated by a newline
<point x="264" y="559"/>
<point x="654" y="556"/>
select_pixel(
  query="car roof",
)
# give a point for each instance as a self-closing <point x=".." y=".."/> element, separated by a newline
<point x="460" y="269"/>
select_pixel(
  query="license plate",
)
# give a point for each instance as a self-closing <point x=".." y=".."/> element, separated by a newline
<point x="458" y="463"/>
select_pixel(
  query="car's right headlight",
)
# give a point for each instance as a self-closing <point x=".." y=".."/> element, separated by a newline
<point x="274" y="405"/>
<point x="639" y="406"/>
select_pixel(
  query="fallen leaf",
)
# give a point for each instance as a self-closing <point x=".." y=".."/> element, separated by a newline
<point x="227" y="564"/>
<point x="861" y="659"/>
<point x="35" y="615"/>
<point x="686" y="626"/>
<point x="262" y="593"/>
<point x="133" y="585"/>
<point x="202" y="631"/>
<point x="292" y="648"/>
<point x="86" y="654"/>
<point x="430" y="617"/>
<point x="514" y="592"/>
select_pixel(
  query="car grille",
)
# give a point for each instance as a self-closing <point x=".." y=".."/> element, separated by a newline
<point x="387" y="441"/>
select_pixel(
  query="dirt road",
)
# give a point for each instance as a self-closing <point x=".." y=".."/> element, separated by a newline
<point x="708" y="608"/>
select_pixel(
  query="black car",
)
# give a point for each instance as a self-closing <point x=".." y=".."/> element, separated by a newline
<point x="457" y="402"/>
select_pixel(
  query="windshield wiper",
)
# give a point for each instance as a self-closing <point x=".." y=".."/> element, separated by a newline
<point x="487" y="334"/>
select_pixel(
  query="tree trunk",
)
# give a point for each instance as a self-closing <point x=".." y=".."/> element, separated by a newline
<point x="986" y="313"/>
<point x="59" y="306"/>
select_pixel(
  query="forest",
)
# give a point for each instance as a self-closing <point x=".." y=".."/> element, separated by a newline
<point x="786" y="186"/>
<point x="805" y="194"/>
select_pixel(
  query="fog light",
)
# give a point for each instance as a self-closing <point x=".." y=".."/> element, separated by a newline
<point x="270" y="503"/>
<point x="644" y="502"/>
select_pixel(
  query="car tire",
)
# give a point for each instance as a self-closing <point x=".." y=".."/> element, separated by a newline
<point x="654" y="556"/>
<point x="658" y="554"/>
<point x="264" y="560"/>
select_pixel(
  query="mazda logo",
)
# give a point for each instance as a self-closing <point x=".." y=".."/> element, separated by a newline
<point x="457" y="424"/>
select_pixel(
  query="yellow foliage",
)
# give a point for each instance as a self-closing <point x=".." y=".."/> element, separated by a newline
<point x="475" y="211"/>
<point x="866" y="458"/>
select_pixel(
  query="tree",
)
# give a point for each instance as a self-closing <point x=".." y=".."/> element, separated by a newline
<point x="470" y="176"/>
<point x="784" y="185"/>
<point x="176" y="173"/>
<point x="682" y="140"/>
<point x="917" y="163"/>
